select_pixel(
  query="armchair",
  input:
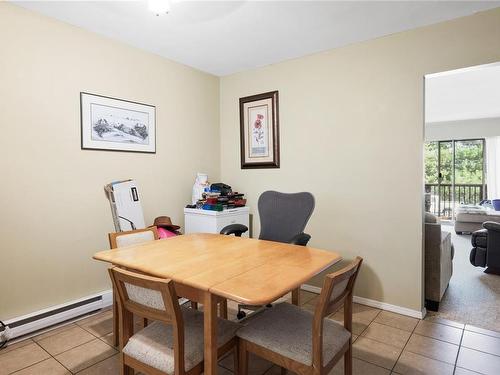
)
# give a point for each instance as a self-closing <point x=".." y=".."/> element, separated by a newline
<point x="486" y="247"/>
<point x="438" y="262"/>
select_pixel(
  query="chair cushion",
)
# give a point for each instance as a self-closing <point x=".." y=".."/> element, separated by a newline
<point x="430" y="218"/>
<point x="480" y="238"/>
<point x="153" y="345"/>
<point x="287" y="330"/>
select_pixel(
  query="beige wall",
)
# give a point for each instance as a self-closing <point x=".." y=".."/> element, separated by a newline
<point x="351" y="124"/>
<point x="351" y="132"/>
<point x="54" y="214"/>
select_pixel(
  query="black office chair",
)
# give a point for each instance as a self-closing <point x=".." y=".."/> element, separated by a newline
<point x="283" y="218"/>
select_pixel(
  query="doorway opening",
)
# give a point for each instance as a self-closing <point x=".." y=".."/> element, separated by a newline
<point x="461" y="190"/>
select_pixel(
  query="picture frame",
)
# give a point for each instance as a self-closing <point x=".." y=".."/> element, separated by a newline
<point x="113" y="124"/>
<point x="259" y="131"/>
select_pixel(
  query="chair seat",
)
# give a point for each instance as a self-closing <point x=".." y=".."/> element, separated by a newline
<point x="153" y="345"/>
<point x="287" y="330"/>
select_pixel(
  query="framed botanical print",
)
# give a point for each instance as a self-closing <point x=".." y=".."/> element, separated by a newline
<point x="117" y="125"/>
<point x="259" y="131"/>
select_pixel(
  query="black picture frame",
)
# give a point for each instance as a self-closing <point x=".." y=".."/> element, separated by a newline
<point x="245" y="119"/>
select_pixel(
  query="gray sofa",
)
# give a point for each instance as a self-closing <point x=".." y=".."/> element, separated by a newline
<point x="469" y="218"/>
<point x="438" y="262"/>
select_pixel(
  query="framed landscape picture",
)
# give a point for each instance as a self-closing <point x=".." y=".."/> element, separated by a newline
<point x="259" y="131"/>
<point x="117" y="125"/>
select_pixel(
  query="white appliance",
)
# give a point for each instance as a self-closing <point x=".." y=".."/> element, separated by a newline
<point x="205" y="221"/>
<point x="125" y="205"/>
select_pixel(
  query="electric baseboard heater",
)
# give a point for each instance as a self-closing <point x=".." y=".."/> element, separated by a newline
<point x="125" y="205"/>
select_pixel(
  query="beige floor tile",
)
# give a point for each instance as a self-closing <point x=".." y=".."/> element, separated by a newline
<point x="256" y="365"/>
<point x="65" y="340"/>
<point x="13" y="346"/>
<point x="439" y="331"/>
<point x="483" y="343"/>
<point x="483" y="331"/>
<point x="432" y="348"/>
<point x="359" y="367"/>
<point x="414" y="364"/>
<point x="375" y="352"/>
<point x="306" y="296"/>
<point x="109" y="339"/>
<point x="53" y="331"/>
<point x="309" y="307"/>
<point x="274" y="370"/>
<point x="22" y="357"/>
<point x="358" y="324"/>
<point x="85" y="355"/>
<point x="396" y="320"/>
<point x="98" y="325"/>
<point x="48" y="367"/>
<point x="363" y="312"/>
<point x="223" y="371"/>
<point x="474" y="360"/>
<point x="451" y="323"/>
<point x="314" y="300"/>
<point x="462" y="371"/>
<point x="110" y="366"/>
<point x="388" y="335"/>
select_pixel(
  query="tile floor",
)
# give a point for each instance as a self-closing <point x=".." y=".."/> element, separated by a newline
<point x="384" y="343"/>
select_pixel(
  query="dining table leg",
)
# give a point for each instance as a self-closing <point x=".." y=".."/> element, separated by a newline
<point x="296" y="296"/>
<point x="210" y="333"/>
<point x="223" y="309"/>
<point x="116" y="320"/>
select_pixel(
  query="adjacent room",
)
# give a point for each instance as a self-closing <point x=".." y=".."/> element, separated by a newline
<point x="250" y="187"/>
<point x="462" y="131"/>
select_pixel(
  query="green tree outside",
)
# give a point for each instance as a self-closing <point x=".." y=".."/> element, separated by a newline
<point x="468" y="162"/>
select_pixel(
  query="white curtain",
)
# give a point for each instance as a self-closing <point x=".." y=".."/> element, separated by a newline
<point x="493" y="167"/>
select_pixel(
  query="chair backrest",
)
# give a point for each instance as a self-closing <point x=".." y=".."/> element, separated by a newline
<point x="283" y="216"/>
<point x="151" y="298"/>
<point x="146" y="296"/>
<point x="337" y="290"/>
<point x="132" y="237"/>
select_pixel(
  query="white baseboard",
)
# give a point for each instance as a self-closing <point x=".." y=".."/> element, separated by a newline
<point x="311" y="288"/>
<point x="50" y="320"/>
<point x="377" y="304"/>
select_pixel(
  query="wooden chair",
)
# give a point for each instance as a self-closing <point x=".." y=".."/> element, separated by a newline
<point x="128" y="238"/>
<point x="132" y="237"/>
<point x="300" y="341"/>
<point x="173" y="342"/>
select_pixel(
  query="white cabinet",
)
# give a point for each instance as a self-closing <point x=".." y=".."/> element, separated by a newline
<point x="204" y="221"/>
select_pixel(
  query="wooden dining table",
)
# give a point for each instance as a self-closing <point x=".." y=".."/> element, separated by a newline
<point x="210" y="268"/>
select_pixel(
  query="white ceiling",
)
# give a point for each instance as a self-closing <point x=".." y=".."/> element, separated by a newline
<point x="463" y="94"/>
<point x="224" y="37"/>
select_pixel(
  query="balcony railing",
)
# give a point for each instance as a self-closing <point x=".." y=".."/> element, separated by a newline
<point x="440" y="201"/>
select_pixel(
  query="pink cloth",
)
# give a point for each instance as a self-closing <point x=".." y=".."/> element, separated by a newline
<point x="164" y="233"/>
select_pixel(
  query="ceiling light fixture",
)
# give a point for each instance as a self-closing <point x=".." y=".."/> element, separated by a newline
<point x="159" y="6"/>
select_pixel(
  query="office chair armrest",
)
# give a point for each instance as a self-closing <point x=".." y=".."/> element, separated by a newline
<point x="236" y="229"/>
<point x="300" y="239"/>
